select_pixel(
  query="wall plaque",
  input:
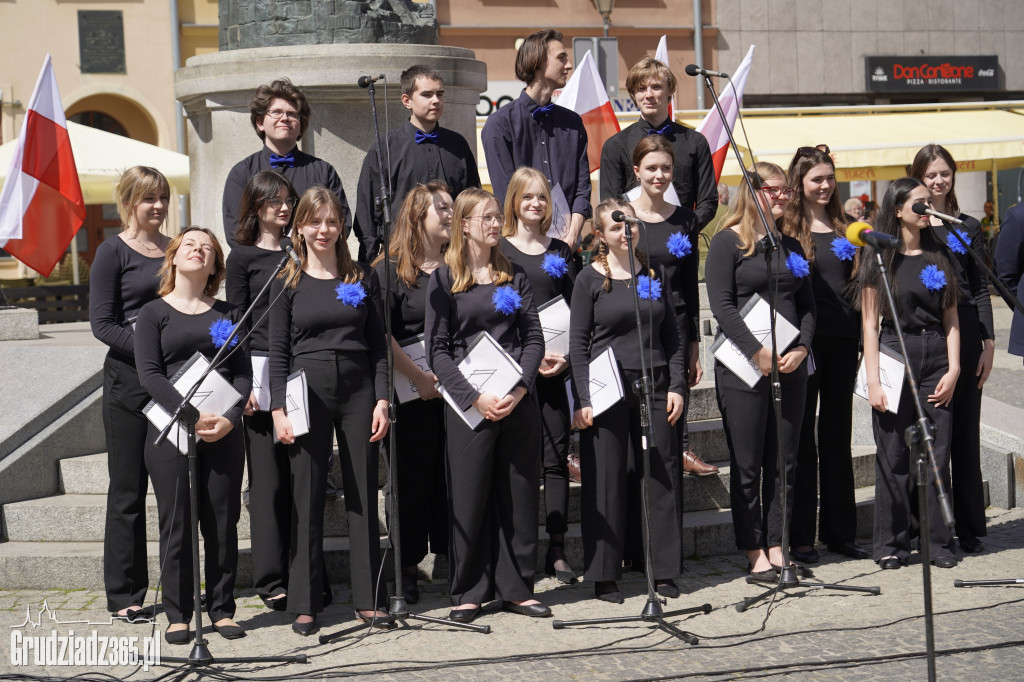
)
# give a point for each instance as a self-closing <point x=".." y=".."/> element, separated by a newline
<point x="101" y="41"/>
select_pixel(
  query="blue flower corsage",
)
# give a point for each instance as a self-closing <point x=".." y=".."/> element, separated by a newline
<point x="954" y="244"/>
<point x="351" y="293"/>
<point x="554" y="265"/>
<point x="843" y="248"/>
<point x="506" y="300"/>
<point x="933" y="278"/>
<point x="220" y="330"/>
<point x="797" y="265"/>
<point x="648" y="289"/>
<point x="679" y="245"/>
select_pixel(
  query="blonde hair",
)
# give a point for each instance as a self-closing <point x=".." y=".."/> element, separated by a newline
<point x="743" y="210"/>
<point x="456" y="256"/>
<point x="517" y="185"/>
<point x="311" y="202"/>
<point x="132" y="187"/>
<point x="602" y="220"/>
<point x="168" y="271"/>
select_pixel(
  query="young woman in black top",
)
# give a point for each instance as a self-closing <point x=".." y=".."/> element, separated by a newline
<point x="925" y="288"/>
<point x="815" y="218"/>
<point x="325" y="325"/>
<point x="736" y="270"/>
<point x="419" y="237"/>
<point x="123" y="279"/>
<point x="492" y="469"/>
<point x="935" y="167"/>
<point x="673" y="240"/>
<point x="186" y="319"/>
<point x="549" y="265"/>
<point x="264" y="216"/>
<point x="603" y="315"/>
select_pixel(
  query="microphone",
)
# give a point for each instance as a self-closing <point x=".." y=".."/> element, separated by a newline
<point x="921" y="209"/>
<point x="620" y="217"/>
<point x="286" y="246"/>
<point x="694" y="70"/>
<point x="364" y="81"/>
<point x="860" y="233"/>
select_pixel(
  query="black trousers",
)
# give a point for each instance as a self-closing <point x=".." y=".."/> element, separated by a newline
<point x="270" y="504"/>
<point x="683" y="426"/>
<point x="422" y="489"/>
<point x="219" y="486"/>
<point x="750" y="431"/>
<point x="611" y="466"/>
<point x="125" y="573"/>
<point x="896" y="519"/>
<point x="830" y="458"/>
<point x="965" y="446"/>
<point x="492" y="497"/>
<point x="555" y="429"/>
<point x="341" y="402"/>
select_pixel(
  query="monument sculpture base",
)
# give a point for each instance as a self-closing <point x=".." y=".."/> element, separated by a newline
<point x="19" y="324"/>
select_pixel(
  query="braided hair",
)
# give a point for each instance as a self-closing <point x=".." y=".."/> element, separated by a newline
<point x="602" y="220"/>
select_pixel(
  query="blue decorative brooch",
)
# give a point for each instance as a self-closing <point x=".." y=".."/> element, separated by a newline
<point x="351" y="293"/>
<point x="554" y="265"/>
<point x="648" y="289"/>
<point x="843" y="248"/>
<point x="506" y="300"/>
<point x="797" y="265"/>
<point x="220" y="330"/>
<point x="954" y="244"/>
<point x="933" y="278"/>
<point x="679" y="245"/>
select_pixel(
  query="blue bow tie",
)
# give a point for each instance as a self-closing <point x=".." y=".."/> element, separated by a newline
<point x="546" y="109"/>
<point x="660" y="131"/>
<point x="286" y="161"/>
<point x="422" y="137"/>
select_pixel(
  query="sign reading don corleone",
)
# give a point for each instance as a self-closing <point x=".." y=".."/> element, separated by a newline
<point x="931" y="74"/>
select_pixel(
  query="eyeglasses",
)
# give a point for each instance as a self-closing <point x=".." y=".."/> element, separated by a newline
<point x="777" y="192"/>
<point x="277" y="114"/>
<point x="485" y="219"/>
<point x="810" y="151"/>
<point x="289" y="202"/>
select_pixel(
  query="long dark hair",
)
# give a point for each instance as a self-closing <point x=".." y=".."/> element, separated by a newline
<point x="261" y="188"/>
<point x="887" y="222"/>
<point x="794" y="221"/>
<point x="924" y="157"/>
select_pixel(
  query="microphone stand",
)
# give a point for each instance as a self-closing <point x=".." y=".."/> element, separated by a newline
<point x="644" y="388"/>
<point x="770" y="246"/>
<point x="189" y="416"/>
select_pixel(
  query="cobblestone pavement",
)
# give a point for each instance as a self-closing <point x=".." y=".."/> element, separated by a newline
<point x="808" y="632"/>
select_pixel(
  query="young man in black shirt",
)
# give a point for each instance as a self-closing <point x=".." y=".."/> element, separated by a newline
<point x="417" y="152"/>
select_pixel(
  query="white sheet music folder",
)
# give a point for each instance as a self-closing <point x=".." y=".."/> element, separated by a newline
<point x="891" y="372"/>
<point x="757" y="315"/>
<point x="490" y="370"/>
<point x="605" y="383"/>
<point x="296" y="398"/>
<point x="554" y="320"/>
<point x="415" y="348"/>
<point x="261" y="381"/>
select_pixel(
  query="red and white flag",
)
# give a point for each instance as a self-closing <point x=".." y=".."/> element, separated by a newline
<point x="731" y="100"/>
<point x="661" y="54"/>
<point x="41" y="205"/>
<point x="586" y="94"/>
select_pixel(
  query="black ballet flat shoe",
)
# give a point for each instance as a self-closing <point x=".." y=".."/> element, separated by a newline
<point x="410" y="588"/>
<point x="972" y="545"/>
<point x="135" y="614"/>
<point x="948" y="561"/>
<point x="385" y="622"/>
<point x="565" y="577"/>
<point x="178" y="637"/>
<point x="890" y="563"/>
<point x="275" y="603"/>
<point x="464" y="615"/>
<point x="766" y="576"/>
<point x="809" y="557"/>
<point x="801" y="571"/>
<point x="608" y="591"/>
<point x="306" y="629"/>
<point x="851" y="550"/>
<point x="667" y="588"/>
<point x="229" y="631"/>
<point x="531" y="610"/>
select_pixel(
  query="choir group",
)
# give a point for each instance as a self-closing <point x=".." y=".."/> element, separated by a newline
<point x="462" y="261"/>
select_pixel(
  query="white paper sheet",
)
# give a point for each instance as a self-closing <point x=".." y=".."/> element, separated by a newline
<point x="416" y="349"/>
<point x="296" y="399"/>
<point x="605" y="383"/>
<point x="757" y="315"/>
<point x="891" y="372"/>
<point x="490" y="370"/>
<point x="561" y="215"/>
<point x="554" y="319"/>
<point x="261" y="381"/>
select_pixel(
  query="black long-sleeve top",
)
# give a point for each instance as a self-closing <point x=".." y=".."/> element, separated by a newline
<point x="408" y="304"/>
<point x="311" y="318"/>
<point x="121" y="281"/>
<point x="693" y="175"/>
<point x="681" y="273"/>
<point x="599" y="319"/>
<point x="545" y="285"/>
<point x="830" y="276"/>
<point x="971" y="281"/>
<point x="1009" y="262"/>
<point x="307" y="172"/>
<point x="732" y="279"/>
<point x="166" y="338"/>
<point x="448" y="158"/>
<point x="454" y="320"/>
<point x="917" y="305"/>
<point x="248" y="269"/>
<point x="553" y="142"/>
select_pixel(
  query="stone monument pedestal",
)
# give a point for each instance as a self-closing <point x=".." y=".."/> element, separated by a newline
<point x="215" y="90"/>
<point x="19" y="324"/>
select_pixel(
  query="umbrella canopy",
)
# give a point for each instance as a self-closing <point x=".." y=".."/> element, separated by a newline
<point x="101" y="157"/>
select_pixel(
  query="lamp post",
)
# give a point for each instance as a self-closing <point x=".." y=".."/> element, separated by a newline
<point x="604" y="7"/>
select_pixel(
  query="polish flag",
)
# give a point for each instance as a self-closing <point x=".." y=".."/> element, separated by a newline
<point x="661" y="54"/>
<point x="41" y="204"/>
<point x="586" y="94"/>
<point x="731" y="100"/>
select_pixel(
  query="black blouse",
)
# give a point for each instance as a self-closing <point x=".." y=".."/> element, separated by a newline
<point x="545" y="285"/>
<point x="454" y="320"/>
<point x="830" y="276"/>
<point x="682" y="272"/>
<point x="973" y="285"/>
<point x="408" y="304"/>
<point x="248" y="269"/>
<point x="121" y="281"/>
<point x="918" y="305"/>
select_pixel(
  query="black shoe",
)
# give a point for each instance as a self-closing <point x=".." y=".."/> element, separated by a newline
<point x="801" y="571"/>
<point x="851" y="550"/>
<point x="410" y="588"/>
<point x="531" y="610"/>
<point x="808" y="557"/>
<point x="136" y="614"/>
<point x="767" y="576"/>
<point x="890" y="563"/>
<point x="178" y="636"/>
<point x="607" y="590"/>
<point x="464" y="615"/>
<point x="229" y="631"/>
<point x="972" y="545"/>
<point x="275" y="603"/>
<point x="667" y="588"/>
<point x="564" y="577"/>
<point x="948" y="561"/>
<point x="306" y="629"/>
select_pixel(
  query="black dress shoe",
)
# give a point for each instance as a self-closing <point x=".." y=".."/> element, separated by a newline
<point x="229" y="631"/>
<point x="808" y="557"/>
<point x="276" y="603"/>
<point x="178" y="636"/>
<point x="851" y="550"/>
<point x="531" y="610"/>
<point x="948" y="561"/>
<point x="410" y="588"/>
<point x="890" y="563"/>
<point x="464" y="615"/>
<point x="667" y="588"/>
<point x="972" y="545"/>
<point x="607" y="590"/>
<point x="801" y="571"/>
<point x="766" y="576"/>
<point x="306" y="629"/>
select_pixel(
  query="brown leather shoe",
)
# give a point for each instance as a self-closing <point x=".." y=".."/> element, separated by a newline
<point x="695" y="466"/>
